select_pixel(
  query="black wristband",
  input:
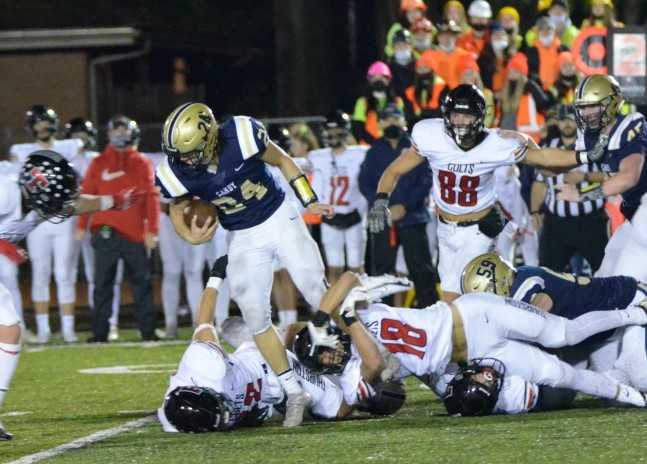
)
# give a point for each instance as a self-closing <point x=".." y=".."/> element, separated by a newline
<point x="382" y="196"/>
<point x="348" y="320"/>
<point x="320" y="318"/>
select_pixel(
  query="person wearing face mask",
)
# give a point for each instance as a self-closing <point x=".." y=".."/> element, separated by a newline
<point x="601" y="15"/>
<point x="448" y="55"/>
<point x="471" y="75"/>
<point x="510" y="19"/>
<point x="475" y="39"/>
<point x="558" y="13"/>
<point x="543" y="63"/>
<point x="494" y="58"/>
<point x="379" y="94"/>
<point x="408" y="206"/>
<point x="49" y="242"/>
<point x="424" y="97"/>
<point x="563" y="91"/>
<point x="455" y="11"/>
<point x="130" y="234"/>
<point x="410" y="12"/>
<point x="403" y="62"/>
<point x="422" y="32"/>
<point x="522" y="101"/>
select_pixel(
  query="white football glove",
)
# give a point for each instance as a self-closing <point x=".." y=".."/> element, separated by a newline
<point x="391" y="367"/>
<point x="321" y="337"/>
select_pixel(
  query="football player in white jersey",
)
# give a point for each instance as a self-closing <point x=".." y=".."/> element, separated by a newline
<point x="463" y="155"/>
<point x="84" y="130"/>
<point x="624" y="172"/>
<point x="46" y="190"/>
<point x="336" y="179"/>
<point x="50" y="241"/>
<point x="426" y="341"/>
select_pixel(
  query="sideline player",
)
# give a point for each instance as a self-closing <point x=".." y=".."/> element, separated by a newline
<point x="426" y="341"/>
<point x="336" y="179"/>
<point x="597" y="109"/>
<point x="463" y="156"/>
<point x="226" y="164"/>
<point x="47" y="190"/>
<point x="50" y="240"/>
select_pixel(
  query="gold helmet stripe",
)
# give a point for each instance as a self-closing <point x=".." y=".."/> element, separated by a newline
<point x="171" y="126"/>
<point x="580" y="90"/>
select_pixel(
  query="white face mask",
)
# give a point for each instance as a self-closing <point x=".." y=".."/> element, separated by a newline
<point x="499" y="45"/>
<point x="379" y="94"/>
<point x="423" y="44"/>
<point x="451" y="45"/>
<point x="402" y="57"/>
<point x="546" y="40"/>
<point x="559" y="20"/>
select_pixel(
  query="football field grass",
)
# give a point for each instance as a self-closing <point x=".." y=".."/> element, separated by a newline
<point x="55" y="400"/>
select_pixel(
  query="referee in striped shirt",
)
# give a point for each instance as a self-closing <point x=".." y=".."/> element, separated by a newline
<point x="568" y="227"/>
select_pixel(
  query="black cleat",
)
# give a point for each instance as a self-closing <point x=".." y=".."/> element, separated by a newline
<point x="4" y="435"/>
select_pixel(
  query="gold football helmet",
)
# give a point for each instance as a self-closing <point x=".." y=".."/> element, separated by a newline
<point x="190" y="134"/>
<point x="487" y="273"/>
<point x="597" y="101"/>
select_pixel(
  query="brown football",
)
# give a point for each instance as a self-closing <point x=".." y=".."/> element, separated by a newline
<point x="202" y="209"/>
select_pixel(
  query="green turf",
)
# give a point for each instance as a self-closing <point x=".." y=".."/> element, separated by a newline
<point x="65" y="405"/>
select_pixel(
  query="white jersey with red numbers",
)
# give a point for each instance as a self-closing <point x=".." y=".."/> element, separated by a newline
<point x="68" y="149"/>
<point x="421" y="339"/>
<point x="464" y="179"/>
<point x="336" y="178"/>
<point x="13" y="225"/>
<point x="243" y="377"/>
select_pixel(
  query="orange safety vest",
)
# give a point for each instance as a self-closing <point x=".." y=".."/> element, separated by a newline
<point x="448" y="65"/>
<point x="548" y="63"/>
<point x="469" y="42"/>
<point x="529" y="120"/>
<point x="432" y="103"/>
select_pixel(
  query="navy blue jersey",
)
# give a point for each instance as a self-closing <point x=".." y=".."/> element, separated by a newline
<point x="627" y="137"/>
<point x="573" y="296"/>
<point x="240" y="186"/>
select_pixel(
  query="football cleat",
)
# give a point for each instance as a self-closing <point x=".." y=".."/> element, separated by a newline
<point x="295" y="407"/>
<point x="113" y="335"/>
<point x="4" y="435"/>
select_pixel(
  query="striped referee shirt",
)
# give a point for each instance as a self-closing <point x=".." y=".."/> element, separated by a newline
<point x="563" y="208"/>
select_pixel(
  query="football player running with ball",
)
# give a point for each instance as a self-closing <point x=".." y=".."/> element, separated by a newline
<point x="227" y="165"/>
<point x="463" y="156"/>
<point x="47" y="190"/>
<point x="597" y="104"/>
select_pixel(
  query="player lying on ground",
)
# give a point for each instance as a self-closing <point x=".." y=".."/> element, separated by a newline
<point x="215" y="391"/>
<point x="227" y="165"/>
<point x="46" y="190"/>
<point x="620" y="353"/>
<point x="480" y="325"/>
<point x="463" y="156"/>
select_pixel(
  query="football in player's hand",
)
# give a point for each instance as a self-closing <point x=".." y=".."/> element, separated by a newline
<point x="203" y="210"/>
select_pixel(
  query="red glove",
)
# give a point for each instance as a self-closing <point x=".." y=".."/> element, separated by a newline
<point x="127" y="198"/>
<point x="14" y="253"/>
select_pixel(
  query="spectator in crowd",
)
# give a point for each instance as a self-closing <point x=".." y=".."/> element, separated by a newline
<point x="480" y="15"/>
<point x="543" y="62"/>
<point x="568" y="227"/>
<point x="602" y="14"/>
<point x="493" y="60"/>
<point x="425" y="96"/>
<point x="50" y="242"/>
<point x="403" y="62"/>
<point x="470" y="74"/>
<point x="448" y="55"/>
<point x="302" y="140"/>
<point x="559" y="15"/>
<point x="423" y="33"/>
<point x="455" y="11"/>
<point x="410" y="11"/>
<point x="408" y="209"/>
<point x="563" y="91"/>
<point x="509" y="19"/>
<point x="129" y="234"/>
<point x="366" y="128"/>
<point x="522" y="100"/>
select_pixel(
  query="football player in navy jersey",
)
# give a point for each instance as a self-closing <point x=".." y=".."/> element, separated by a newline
<point x="597" y="102"/>
<point x="227" y="165"/>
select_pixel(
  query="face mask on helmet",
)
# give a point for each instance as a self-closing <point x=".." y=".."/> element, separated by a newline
<point x="322" y="360"/>
<point x="590" y="117"/>
<point x="474" y="390"/>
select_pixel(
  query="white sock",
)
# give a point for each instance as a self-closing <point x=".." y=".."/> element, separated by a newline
<point x="287" y="317"/>
<point x="222" y="303"/>
<point x="9" y="355"/>
<point x="42" y="324"/>
<point x="290" y="383"/>
<point x="67" y="323"/>
<point x="170" y="299"/>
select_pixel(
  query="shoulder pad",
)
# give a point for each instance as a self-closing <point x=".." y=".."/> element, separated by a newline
<point x="251" y="135"/>
<point x="166" y="178"/>
<point x="631" y="126"/>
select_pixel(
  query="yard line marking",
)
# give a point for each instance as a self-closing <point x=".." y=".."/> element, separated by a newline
<point x="38" y="349"/>
<point x="15" y="413"/>
<point x="85" y="441"/>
